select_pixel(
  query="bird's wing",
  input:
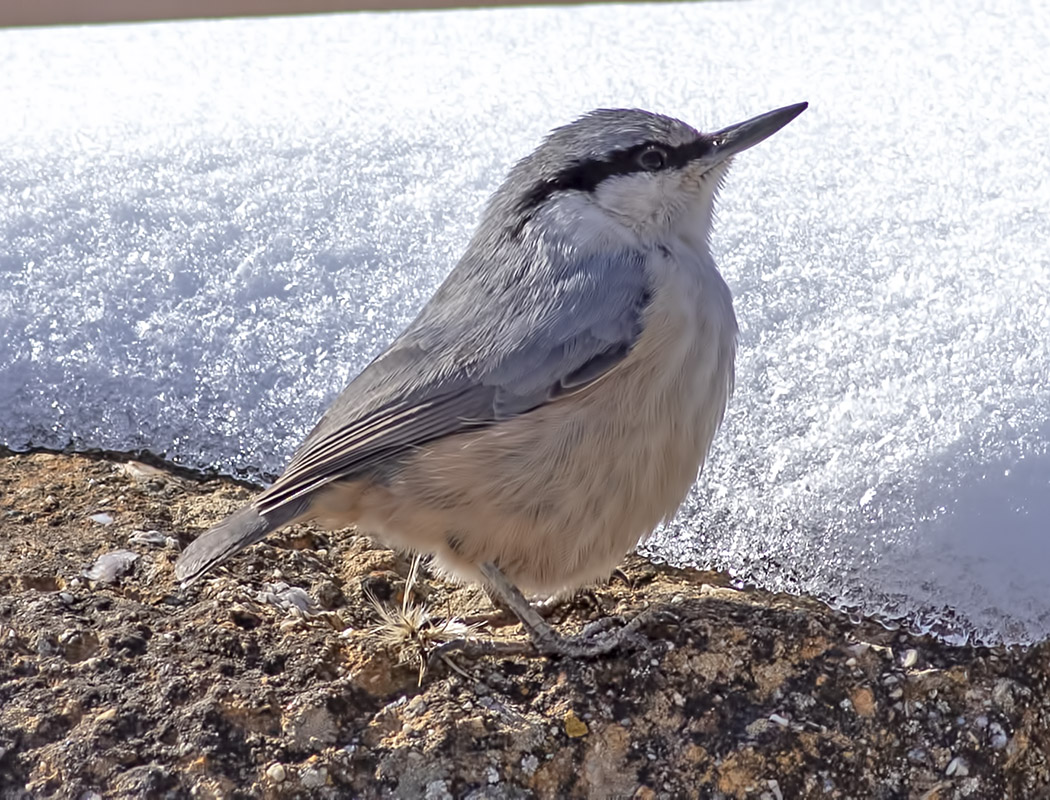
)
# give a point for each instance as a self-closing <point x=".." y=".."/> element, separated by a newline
<point x="484" y="349"/>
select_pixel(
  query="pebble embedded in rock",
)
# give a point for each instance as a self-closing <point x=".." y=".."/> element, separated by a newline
<point x="151" y="537"/>
<point x="437" y="790"/>
<point x="109" y="567"/>
<point x="998" y="738"/>
<point x="138" y="471"/>
<point x="574" y="726"/>
<point x="47" y="645"/>
<point x="287" y="597"/>
<point x="416" y="706"/>
<point x="310" y="725"/>
<point x="313" y="777"/>
<point x="276" y="773"/>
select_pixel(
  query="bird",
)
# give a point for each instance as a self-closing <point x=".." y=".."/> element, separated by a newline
<point x="556" y="398"/>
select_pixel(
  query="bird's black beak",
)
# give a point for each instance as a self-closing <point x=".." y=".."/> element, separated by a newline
<point x="737" y="138"/>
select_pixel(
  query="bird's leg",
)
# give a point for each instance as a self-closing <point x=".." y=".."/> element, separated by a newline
<point x="505" y="615"/>
<point x="594" y="641"/>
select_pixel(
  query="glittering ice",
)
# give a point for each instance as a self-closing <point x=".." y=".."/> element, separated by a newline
<point x="207" y="228"/>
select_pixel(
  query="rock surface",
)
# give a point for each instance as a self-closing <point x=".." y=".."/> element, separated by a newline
<point x="269" y="680"/>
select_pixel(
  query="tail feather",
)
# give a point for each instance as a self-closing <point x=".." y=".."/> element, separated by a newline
<point x="242" y="528"/>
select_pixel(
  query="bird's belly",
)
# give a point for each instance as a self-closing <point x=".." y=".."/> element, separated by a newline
<point x="557" y="496"/>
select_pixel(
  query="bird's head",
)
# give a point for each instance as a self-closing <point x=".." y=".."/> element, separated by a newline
<point x="649" y="173"/>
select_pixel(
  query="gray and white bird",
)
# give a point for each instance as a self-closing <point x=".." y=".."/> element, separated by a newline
<point x="556" y="398"/>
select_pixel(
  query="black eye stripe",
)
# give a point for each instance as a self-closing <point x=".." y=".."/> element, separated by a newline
<point x="584" y="176"/>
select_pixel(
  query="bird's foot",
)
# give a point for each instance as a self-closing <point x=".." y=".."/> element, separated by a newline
<point x="596" y="639"/>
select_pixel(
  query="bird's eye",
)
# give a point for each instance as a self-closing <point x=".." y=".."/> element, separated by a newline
<point x="652" y="159"/>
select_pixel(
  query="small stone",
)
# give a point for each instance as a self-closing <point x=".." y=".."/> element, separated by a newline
<point x="314" y="777"/>
<point x="574" y="726"/>
<point x="492" y="775"/>
<point x="310" y="726"/>
<point x="863" y="701"/>
<point x="287" y="598"/>
<point x="66" y="598"/>
<point x="416" y="706"/>
<point x="276" y="773"/>
<point x="437" y="790"/>
<point x="328" y="593"/>
<point x="47" y="645"/>
<point x="143" y="472"/>
<point x="529" y="764"/>
<point x="757" y="727"/>
<point x="151" y="537"/>
<point x="109" y="567"/>
<point x="957" y="767"/>
<point x="776" y="719"/>
<point x="998" y="737"/>
<point x="909" y="658"/>
<point x="1003" y="695"/>
<point x="101" y="519"/>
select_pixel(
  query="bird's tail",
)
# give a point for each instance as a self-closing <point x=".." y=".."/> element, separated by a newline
<point x="242" y="528"/>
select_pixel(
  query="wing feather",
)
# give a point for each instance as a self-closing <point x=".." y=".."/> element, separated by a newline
<point x="466" y="363"/>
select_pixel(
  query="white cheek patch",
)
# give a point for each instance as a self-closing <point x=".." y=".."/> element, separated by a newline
<point x="654" y="204"/>
<point x="644" y="201"/>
